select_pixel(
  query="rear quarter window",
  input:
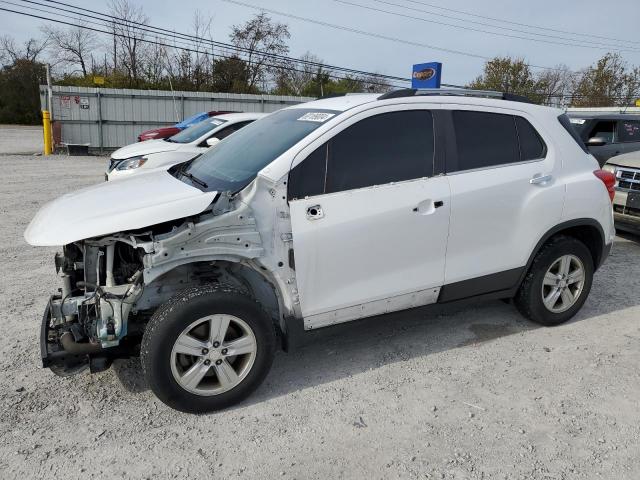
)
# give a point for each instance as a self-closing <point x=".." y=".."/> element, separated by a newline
<point x="568" y="126"/>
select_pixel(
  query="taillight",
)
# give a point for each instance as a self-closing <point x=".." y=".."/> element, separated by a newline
<point x="609" y="180"/>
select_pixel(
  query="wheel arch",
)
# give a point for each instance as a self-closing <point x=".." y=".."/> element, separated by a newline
<point x="246" y="274"/>
<point x="586" y="230"/>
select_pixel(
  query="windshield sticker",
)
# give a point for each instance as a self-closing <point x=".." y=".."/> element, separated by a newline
<point x="579" y="121"/>
<point x="318" y="117"/>
<point x="216" y="122"/>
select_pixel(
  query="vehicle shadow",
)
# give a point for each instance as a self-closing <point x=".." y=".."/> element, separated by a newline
<point x="355" y="347"/>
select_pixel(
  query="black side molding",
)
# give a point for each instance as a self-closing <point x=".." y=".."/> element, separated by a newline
<point x="507" y="281"/>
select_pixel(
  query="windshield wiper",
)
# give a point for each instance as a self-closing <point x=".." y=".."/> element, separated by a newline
<point x="194" y="179"/>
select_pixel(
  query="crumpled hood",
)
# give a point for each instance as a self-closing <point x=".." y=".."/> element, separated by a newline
<point x="111" y="207"/>
<point x="145" y="148"/>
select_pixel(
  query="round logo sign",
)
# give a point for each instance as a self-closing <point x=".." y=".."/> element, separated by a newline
<point x="424" y="74"/>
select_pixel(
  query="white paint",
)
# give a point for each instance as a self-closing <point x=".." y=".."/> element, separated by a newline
<point x="161" y="154"/>
<point x="498" y="216"/>
<point x="112" y="207"/>
<point x="370" y="244"/>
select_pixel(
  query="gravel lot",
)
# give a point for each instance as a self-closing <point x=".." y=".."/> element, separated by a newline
<point x="464" y="392"/>
<point x="21" y="139"/>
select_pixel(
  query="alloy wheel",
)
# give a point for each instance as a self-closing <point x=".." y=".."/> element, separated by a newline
<point x="563" y="283"/>
<point x="213" y="354"/>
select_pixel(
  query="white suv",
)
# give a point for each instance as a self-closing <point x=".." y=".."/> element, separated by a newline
<point x="322" y="213"/>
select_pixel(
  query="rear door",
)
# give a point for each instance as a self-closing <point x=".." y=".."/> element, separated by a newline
<point x="505" y="195"/>
<point x="369" y="219"/>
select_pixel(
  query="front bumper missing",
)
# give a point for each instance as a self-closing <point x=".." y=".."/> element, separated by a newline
<point x="63" y="363"/>
<point x="52" y="354"/>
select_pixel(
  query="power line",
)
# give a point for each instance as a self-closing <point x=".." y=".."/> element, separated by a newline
<point x="282" y="67"/>
<point x="594" y="44"/>
<point x="155" y="30"/>
<point x="371" y="34"/>
<point x="520" y="24"/>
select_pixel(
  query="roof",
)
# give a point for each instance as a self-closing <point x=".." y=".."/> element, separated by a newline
<point x="349" y="101"/>
<point x="240" y="117"/>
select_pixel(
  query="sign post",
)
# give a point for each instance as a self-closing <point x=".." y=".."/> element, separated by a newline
<point x="426" y="75"/>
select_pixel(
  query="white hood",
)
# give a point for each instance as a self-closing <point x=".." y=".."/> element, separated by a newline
<point x="112" y="207"/>
<point x="145" y="148"/>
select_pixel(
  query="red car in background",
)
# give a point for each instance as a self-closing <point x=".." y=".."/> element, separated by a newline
<point x="166" y="132"/>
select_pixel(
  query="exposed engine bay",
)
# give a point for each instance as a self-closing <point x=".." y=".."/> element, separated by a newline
<point x="112" y="285"/>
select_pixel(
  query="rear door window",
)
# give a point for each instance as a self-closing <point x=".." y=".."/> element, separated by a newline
<point x="629" y="131"/>
<point x="485" y="139"/>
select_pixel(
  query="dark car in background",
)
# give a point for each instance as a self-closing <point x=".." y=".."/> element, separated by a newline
<point x="607" y="135"/>
<point x="170" y="131"/>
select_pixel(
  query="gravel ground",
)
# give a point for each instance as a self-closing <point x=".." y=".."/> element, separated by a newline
<point x="464" y="392"/>
<point x="21" y="139"/>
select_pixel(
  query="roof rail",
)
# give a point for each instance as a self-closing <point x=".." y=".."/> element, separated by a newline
<point x="457" y="92"/>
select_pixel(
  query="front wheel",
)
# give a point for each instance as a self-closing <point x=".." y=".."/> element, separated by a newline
<point x="557" y="283"/>
<point x="208" y="348"/>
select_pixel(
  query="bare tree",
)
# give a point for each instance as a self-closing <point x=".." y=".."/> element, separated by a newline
<point x="260" y="37"/>
<point x="72" y="46"/>
<point x="554" y="85"/>
<point x="375" y="84"/>
<point x="29" y="50"/>
<point x="129" y="45"/>
<point x="294" y="78"/>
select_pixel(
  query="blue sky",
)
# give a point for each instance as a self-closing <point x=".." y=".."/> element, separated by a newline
<point x="372" y="54"/>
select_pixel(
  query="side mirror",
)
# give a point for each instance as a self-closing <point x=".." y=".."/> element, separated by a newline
<point x="212" y="141"/>
<point x="596" y="142"/>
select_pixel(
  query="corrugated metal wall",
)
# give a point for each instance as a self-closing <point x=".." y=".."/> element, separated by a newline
<point x="108" y="118"/>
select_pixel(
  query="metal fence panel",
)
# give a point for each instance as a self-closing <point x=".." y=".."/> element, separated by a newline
<point x="108" y="118"/>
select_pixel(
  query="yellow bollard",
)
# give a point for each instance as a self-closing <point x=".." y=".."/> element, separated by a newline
<point x="48" y="139"/>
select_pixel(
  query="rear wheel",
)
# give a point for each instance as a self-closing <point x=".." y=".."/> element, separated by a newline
<point x="558" y="282"/>
<point x="207" y="348"/>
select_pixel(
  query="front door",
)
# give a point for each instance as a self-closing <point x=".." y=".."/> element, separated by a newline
<point x="369" y="225"/>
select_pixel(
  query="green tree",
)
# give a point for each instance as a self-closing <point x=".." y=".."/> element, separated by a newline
<point x="231" y="75"/>
<point x="260" y="38"/>
<point x="20" y="93"/>
<point x="610" y="82"/>
<point x="509" y="75"/>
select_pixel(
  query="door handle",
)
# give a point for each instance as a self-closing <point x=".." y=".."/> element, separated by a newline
<point x="539" y="179"/>
<point x="314" y="212"/>
<point x="428" y="206"/>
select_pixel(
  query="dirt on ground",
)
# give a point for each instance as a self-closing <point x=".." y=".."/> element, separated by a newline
<point x="458" y="392"/>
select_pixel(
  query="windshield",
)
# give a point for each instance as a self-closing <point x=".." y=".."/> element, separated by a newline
<point x="194" y="132"/>
<point x="236" y="161"/>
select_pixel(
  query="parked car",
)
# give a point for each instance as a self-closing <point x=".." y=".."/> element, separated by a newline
<point x="608" y="135"/>
<point x="154" y="155"/>
<point x="322" y="213"/>
<point x="626" y="203"/>
<point x="166" y="132"/>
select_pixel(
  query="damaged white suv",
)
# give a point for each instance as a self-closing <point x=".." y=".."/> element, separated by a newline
<point x="322" y="213"/>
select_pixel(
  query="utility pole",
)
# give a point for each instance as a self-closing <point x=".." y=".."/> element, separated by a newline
<point x="49" y="89"/>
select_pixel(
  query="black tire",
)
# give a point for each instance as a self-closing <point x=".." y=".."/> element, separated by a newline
<point x="529" y="299"/>
<point x="170" y="320"/>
